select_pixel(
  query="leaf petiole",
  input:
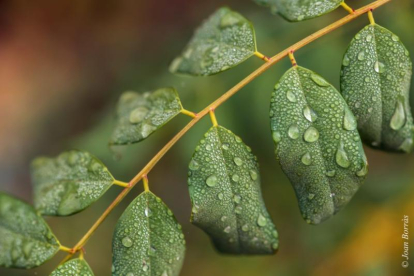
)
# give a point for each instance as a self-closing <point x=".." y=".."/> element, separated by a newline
<point x="371" y="17"/>
<point x="292" y="58"/>
<point x="65" y="249"/>
<point x="347" y="8"/>
<point x="213" y="117"/>
<point x="145" y="182"/>
<point x="261" y="56"/>
<point x="120" y="183"/>
<point x="188" y="113"/>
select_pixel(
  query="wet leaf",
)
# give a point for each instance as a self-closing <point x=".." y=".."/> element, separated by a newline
<point x="375" y="81"/>
<point x="74" y="267"/>
<point x="140" y="115"/>
<point x="25" y="239"/>
<point x="68" y="183"/>
<point x="224" y="185"/>
<point x="317" y="143"/>
<point x="148" y="239"/>
<point x="223" y="41"/>
<point x="298" y="10"/>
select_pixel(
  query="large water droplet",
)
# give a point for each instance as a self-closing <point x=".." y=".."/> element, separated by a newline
<point x="127" y="242"/>
<point x="369" y="38"/>
<point x="398" y="119"/>
<point x="138" y="114"/>
<point x="291" y="96"/>
<point x="306" y="159"/>
<point x="407" y="145"/>
<point x="361" y="56"/>
<point x="245" y="228"/>
<point x="253" y="175"/>
<point x="311" y="135"/>
<point x="363" y="171"/>
<point x="379" y="67"/>
<point x="237" y="199"/>
<point x="293" y="132"/>
<point x="309" y="114"/>
<point x="238" y="161"/>
<point x="311" y="196"/>
<point x="331" y="173"/>
<point x="145" y="267"/>
<point x="319" y="80"/>
<point x="211" y="181"/>
<point x="235" y="177"/>
<point x="349" y="120"/>
<point x="341" y="157"/>
<point x="194" y="165"/>
<point x="345" y="61"/>
<point x="227" y="229"/>
<point x="261" y="221"/>
<point x="276" y="136"/>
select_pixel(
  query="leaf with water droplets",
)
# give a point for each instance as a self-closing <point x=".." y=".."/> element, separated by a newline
<point x="68" y="183"/>
<point x="298" y="10"/>
<point x="317" y="143"/>
<point x="25" y="239"/>
<point x="74" y="267"/>
<point x="148" y="239"/>
<point x="222" y="42"/>
<point x="140" y="115"/>
<point x="375" y="81"/>
<point x="226" y="196"/>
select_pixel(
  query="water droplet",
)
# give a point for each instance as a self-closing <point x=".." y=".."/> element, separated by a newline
<point x="331" y="173"/>
<point x="309" y="114"/>
<point x="361" y="56"/>
<point x="363" y="171"/>
<point x="341" y="157"/>
<point x="237" y="199"/>
<point x="138" y="115"/>
<point x="293" y="132"/>
<point x="164" y="273"/>
<point x="349" y="120"/>
<point x="311" y="196"/>
<point x="238" y="161"/>
<point x="379" y="67"/>
<point x="398" y="119"/>
<point x="238" y="210"/>
<point x="407" y="145"/>
<point x="300" y="17"/>
<point x="220" y="196"/>
<point x="130" y="274"/>
<point x="194" y="165"/>
<point x="145" y="267"/>
<point x="229" y="19"/>
<point x="306" y="159"/>
<point x="127" y="242"/>
<point x="235" y="178"/>
<point x="345" y="61"/>
<point x="261" y="221"/>
<point x="225" y="146"/>
<point x="227" y="229"/>
<point x="212" y="180"/>
<point x="291" y="96"/>
<point x="319" y="80"/>
<point x="369" y="38"/>
<point x="147" y="212"/>
<point x="311" y="135"/>
<point x="253" y="175"/>
<point x="276" y="136"/>
<point x="395" y="38"/>
<point x="245" y="228"/>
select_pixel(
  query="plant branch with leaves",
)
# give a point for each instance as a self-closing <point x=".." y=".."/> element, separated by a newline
<point x="318" y="134"/>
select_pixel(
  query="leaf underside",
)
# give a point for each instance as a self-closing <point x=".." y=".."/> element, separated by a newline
<point x="68" y="183"/>
<point x="26" y="240"/>
<point x="298" y="10"/>
<point x="148" y="239"/>
<point x="223" y="41"/>
<point x="375" y="81"/>
<point x="140" y="115"/>
<point x="74" y="267"/>
<point x="224" y="186"/>
<point x="317" y="143"/>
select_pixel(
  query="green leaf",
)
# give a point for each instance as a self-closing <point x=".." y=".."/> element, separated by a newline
<point x="148" y="239"/>
<point x="140" y="115"/>
<point x="375" y="81"/>
<point x="317" y="143"/>
<point x="298" y="10"/>
<point x="224" y="185"/>
<point x="222" y="42"/>
<point x="74" y="267"/>
<point x="68" y="183"/>
<point x="25" y="239"/>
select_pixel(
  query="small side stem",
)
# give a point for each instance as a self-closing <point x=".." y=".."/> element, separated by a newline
<point x="120" y="183"/>
<point x="347" y="8"/>
<point x="213" y="117"/>
<point x="65" y="249"/>
<point x="371" y="17"/>
<point x="292" y="58"/>
<point x="261" y="56"/>
<point x="189" y="113"/>
<point x="145" y="182"/>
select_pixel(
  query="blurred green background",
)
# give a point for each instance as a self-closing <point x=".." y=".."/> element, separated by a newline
<point x="65" y="63"/>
